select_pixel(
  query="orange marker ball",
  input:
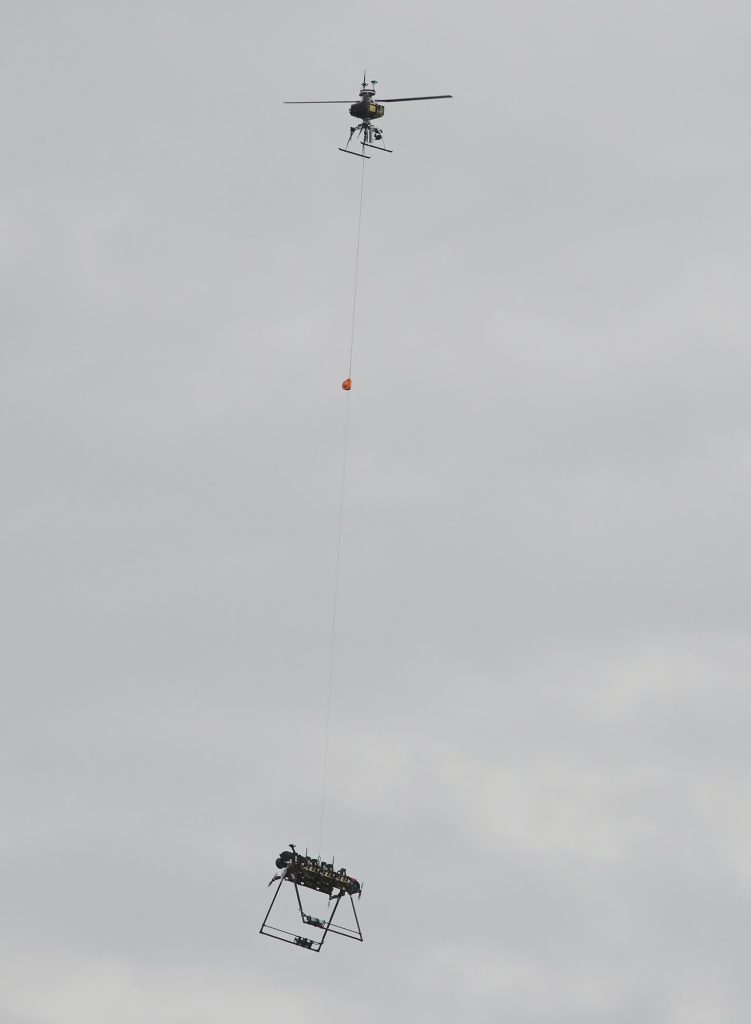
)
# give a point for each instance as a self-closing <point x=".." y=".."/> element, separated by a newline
<point x="347" y="384"/>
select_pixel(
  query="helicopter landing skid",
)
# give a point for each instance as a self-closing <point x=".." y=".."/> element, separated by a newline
<point x="364" y="134"/>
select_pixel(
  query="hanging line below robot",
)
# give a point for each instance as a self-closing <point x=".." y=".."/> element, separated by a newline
<point x="346" y="385"/>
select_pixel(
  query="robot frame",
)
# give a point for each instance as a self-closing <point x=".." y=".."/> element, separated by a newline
<point x="306" y="872"/>
<point x="366" y="110"/>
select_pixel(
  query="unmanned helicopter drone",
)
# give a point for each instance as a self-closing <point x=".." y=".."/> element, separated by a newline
<point x="366" y="110"/>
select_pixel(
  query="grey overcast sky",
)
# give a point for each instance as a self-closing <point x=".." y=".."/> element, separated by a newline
<point x="540" y="754"/>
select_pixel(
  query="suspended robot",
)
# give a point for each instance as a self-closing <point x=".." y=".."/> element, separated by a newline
<point x="305" y="872"/>
<point x="366" y="110"/>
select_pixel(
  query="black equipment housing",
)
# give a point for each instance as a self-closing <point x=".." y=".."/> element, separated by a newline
<point x="366" y="110"/>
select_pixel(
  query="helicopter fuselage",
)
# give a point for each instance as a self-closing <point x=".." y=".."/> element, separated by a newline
<point x="365" y="109"/>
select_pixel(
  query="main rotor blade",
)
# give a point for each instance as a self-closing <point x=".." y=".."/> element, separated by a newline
<point x="408" y="99"/>
<point x="319" y="101"/>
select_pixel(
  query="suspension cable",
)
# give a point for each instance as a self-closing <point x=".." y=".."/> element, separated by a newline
<point x="357" y="268"/>
<point x="337" y="564"/>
